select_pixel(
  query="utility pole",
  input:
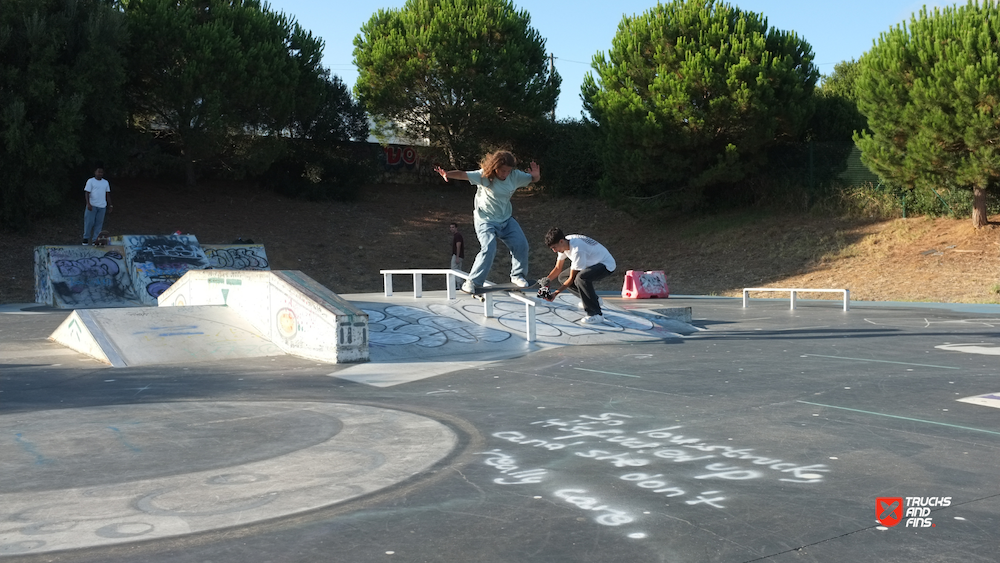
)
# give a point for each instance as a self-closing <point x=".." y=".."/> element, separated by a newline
<point x="552" y="71"/>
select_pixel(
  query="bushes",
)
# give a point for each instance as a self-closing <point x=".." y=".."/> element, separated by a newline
<point x="334" y="172"/>
<point x="880" y="200"/>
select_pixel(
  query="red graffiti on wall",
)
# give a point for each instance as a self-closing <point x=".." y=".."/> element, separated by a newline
<point x="398" y="156"/>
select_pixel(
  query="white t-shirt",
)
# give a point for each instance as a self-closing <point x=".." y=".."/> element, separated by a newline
<point x="585" y="252"/>
<point x="98" y="191"/>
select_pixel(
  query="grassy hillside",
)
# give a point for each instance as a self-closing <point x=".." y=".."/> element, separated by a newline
<point x="343" y="245"/>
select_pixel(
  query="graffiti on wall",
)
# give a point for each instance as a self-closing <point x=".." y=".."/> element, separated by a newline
<point x="135" y="273"/>
<point x="397" y="156"/>
<point x="404" y="164"/>
<point x="82" y="277"/>
<point x="237" y="256"/>
<point x="43" y="285"/>
<point x="157" y="261"/>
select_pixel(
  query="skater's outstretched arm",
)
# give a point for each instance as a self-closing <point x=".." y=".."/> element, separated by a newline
<point x="452" y="174"/>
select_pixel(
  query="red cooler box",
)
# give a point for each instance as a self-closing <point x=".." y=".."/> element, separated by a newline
<point x="643" y="285"/>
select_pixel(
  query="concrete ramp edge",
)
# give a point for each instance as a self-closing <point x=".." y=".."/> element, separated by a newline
<point x="81" y="332"/>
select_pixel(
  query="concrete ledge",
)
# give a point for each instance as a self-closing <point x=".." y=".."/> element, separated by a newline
<point x="682" y="314"/>
<point x="78" y="277"/>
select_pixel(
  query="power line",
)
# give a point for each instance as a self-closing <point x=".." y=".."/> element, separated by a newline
<point x="572" y="61"/>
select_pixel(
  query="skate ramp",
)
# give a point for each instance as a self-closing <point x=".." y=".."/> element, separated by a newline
<point x="224" y="314"/>
<point x="419" y="338"/>
<point x="289" y="308"/>
<point x="143" y="336"/>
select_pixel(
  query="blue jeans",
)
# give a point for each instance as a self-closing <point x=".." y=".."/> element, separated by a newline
<point x="93" y="222"/>
<point x="512" y="236"/>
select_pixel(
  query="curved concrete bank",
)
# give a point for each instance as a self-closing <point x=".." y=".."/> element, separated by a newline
<point x="116" y="474"/>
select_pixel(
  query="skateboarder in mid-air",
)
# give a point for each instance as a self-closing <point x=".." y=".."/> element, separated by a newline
<point x="591" y="262"/>
<point x="497" y="179"/>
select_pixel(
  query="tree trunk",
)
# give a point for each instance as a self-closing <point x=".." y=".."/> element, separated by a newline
<point x="979" y="218"/>
<point x="190" y="172"/>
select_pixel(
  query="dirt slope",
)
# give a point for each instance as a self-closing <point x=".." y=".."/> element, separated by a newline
<point x="343" y="245"/>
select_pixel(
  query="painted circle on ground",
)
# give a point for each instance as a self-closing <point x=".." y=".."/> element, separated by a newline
<point x="116" y="474"/>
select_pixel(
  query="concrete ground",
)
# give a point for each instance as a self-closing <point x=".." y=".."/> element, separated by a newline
<point x="761" y="434"/>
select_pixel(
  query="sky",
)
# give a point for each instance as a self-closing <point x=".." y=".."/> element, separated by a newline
<point x="575" y="30"/>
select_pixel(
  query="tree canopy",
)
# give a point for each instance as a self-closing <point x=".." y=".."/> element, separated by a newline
<point x="464" y="74"/>
<point x="327" y="113"/>
<point x="204" y="70"/>
<point x="931" y="93"/>
<point x="692" y="93"/>
<point x="836" y="116"/>
<point x="61" y="71"/>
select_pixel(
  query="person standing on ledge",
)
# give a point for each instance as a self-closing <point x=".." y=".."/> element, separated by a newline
<point x="97" y="194"/>
<point x="497" y="179"/>
<point x="591" y="262"/>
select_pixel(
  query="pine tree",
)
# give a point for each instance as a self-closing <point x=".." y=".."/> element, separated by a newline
<point x="931" y="92"/>
<point x="205" y="71"/>
<point x="836" y="117"/>
<point x="691" y="95"/>
<point x="465" y="74"/>
<point x="61" y="73"/>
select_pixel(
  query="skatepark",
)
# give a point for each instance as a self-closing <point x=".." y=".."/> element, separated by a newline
<point x="685" y="429"/>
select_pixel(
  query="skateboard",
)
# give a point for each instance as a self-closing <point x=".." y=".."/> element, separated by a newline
<point x="481" y="292"/>
<point x="102" y="239"/>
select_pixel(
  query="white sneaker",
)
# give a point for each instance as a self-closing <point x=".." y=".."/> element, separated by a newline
<point x="519" y="281"/>
<point x="592" y="320"/>
<point x="468" y="287"/>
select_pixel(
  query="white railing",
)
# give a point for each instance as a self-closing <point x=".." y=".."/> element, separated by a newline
<point x="450" y="276"/>
<point x="795" y="291"/>
<point x="418" y="279"/>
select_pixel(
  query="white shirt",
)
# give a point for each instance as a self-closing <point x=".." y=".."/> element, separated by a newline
<point x="98" y="191"/>
<point x="585" y="252"/>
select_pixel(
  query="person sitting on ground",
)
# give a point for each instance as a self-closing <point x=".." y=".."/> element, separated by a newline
<point x="591" y="262"/>
<point x="497" y="179"/>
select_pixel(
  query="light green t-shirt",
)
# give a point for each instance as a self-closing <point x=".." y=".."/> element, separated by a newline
<point x="493" y="198"/>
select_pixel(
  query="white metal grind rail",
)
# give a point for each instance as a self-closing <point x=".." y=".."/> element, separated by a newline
<point x="794" y="294"/>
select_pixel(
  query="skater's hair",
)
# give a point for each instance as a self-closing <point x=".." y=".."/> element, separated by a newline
<point x="554" y="235"/>
<point x="493" y="161"/>
<point x="453" y="225"/>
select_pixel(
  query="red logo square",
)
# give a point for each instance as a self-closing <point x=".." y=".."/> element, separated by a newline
<point x="889" y="510"/>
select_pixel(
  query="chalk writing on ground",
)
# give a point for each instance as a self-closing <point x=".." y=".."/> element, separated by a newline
<point x="584" y="461"/>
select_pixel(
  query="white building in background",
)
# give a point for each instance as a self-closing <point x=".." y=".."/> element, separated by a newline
<point x="400" y="138"/>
